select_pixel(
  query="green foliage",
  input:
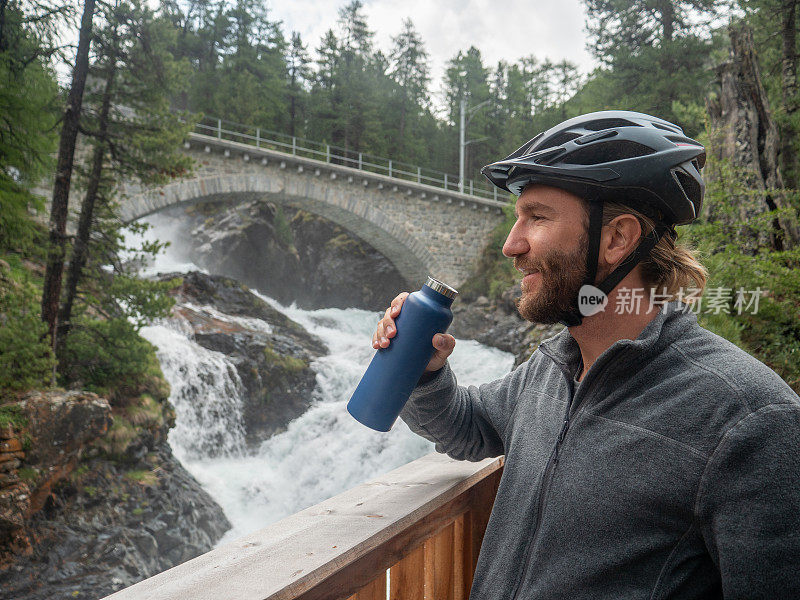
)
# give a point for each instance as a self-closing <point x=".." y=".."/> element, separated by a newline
<point x="107" y="355"/>
<point x="28" y="474"/>
<point x="494" y="273"/>
<point x="283" y="230"/>
<point x="772" y="333"/>
<point x="26" y="360"/>
<point x="28" y="101"/>
<point x="143" y="477"/>
<point x="11" y="414"/>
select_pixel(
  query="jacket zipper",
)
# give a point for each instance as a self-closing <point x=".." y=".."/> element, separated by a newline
<point x="551" y="463"/>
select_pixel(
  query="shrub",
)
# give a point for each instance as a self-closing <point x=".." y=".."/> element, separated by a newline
<point x="107" y="355"/>
<point x="26" y="360"/>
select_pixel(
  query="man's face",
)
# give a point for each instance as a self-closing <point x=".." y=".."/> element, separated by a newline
<point x="548" y="244"/>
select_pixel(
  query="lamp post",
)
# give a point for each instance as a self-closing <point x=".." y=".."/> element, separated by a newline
<point x="466" y="117"/>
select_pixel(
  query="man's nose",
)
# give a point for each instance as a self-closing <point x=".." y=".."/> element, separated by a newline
<point x="516" y="244"/>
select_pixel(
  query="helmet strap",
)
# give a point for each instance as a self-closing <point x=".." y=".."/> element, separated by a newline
<point x="618" y="274"/>
<point x="592" y="252"/>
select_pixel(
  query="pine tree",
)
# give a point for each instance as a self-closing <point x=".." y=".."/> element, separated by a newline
<point x="654" y="51"/>
<point x="411" y="74"/>
<point x="134" y="136"/>
<point x="299" y="74"/>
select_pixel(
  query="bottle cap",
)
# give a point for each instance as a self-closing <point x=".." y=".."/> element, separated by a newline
<point x="442" y="288"/>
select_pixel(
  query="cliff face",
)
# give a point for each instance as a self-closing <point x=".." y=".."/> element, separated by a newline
<point x="288" y="254"/>
<point x="41" y="440"/>
<point x="91" y="498"/>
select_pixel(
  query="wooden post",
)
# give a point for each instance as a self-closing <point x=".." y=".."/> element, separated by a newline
<point x="407" y="578"/>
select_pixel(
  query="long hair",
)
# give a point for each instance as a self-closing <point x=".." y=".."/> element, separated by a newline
<point x="670" y="266"/>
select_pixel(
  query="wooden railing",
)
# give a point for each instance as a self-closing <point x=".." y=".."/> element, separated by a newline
<point x="411" y="534"/>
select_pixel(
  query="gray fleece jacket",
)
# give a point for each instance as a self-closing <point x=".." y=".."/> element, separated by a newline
<point x="672" y="471"/>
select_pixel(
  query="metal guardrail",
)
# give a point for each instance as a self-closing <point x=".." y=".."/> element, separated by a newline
<point x="298" y="146"/>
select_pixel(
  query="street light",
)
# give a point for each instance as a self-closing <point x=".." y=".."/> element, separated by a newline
<point x="466" y="117"/>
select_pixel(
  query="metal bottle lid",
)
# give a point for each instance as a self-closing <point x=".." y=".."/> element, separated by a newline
<point x="442" y="288"/>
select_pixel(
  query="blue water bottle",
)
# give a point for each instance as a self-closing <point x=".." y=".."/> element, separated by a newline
<point x="394" y="371"/>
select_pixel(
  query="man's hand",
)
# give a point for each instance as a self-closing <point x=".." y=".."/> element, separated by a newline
<point x="443" y="342"/>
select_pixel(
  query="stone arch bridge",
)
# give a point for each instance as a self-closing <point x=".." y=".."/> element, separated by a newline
<point x="422" y="229"/>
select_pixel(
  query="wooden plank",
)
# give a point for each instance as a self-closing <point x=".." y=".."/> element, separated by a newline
<point x="430" y="568"/>
<point x="375" y="590"/>
<point x="443" y="580"/>
<point x="407" y="578"/>
<point x="332" y="549"/>
<point x="462" y="555"/>
<point x="481" y="503"/>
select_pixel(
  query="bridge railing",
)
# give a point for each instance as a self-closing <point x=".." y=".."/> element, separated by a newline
<point x="411" y="534"/>
<point x="299" y="146"/>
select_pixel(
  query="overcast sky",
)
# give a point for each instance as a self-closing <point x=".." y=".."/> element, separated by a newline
<point x="506" y="30"/>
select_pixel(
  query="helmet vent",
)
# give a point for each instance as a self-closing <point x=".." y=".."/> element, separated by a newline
<point x="604" y="152"/>
<point x="690" y="187"/>
<point x="601" y="124"/>
<point x="559" y="139"/>
<point x="667" y="128"/>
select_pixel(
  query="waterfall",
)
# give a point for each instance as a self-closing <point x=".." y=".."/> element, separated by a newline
<point x="321" y="453"/>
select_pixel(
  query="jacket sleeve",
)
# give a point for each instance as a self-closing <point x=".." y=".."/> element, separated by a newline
<point x="466" y="423"/>
<point x="749" y="505"/>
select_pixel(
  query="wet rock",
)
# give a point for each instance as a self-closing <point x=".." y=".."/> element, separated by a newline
<point x="273" y="362"/>
<point x="108" y="526"/>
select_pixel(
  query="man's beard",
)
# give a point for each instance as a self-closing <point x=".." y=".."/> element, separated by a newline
<point x="562" y="275"/>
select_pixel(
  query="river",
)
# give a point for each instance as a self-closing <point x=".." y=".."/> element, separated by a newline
<point x="324" y="451"/>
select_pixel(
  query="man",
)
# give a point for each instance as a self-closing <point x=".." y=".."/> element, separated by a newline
<point x="645" y="456"/>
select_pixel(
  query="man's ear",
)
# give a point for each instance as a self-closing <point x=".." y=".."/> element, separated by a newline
<point x="620" y="237"/>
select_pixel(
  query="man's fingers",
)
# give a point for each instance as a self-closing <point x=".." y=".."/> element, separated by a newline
<point x="397" y="304"/>
<point x="444" y="344"/>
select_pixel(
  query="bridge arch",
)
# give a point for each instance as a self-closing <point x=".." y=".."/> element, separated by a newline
<point x="367" y="222"/>
<point x="420" y="229"/>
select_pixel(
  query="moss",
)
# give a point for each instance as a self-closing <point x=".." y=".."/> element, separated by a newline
<point x="283" y="230"/>
<point x="345" y="242"/>
<point x="145" y="413"/>
<point x="11" y="414"/>
<point x="289" y="364"/>
<point x="119" y="437"/>
<point x="28" y="474"/>
<point x="137" y="511"/>
<point x="143" y="477"/>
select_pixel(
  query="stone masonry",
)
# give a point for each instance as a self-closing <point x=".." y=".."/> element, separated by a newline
<point x="422" y="230"/>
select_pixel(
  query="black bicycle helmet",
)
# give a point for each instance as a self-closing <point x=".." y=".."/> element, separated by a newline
<point x="632" y="158"/>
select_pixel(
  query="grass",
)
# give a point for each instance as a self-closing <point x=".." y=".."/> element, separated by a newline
<point x="143" y="477"/>
<point x="11" y="414"/>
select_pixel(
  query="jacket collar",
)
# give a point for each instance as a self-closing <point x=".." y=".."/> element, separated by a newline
<point x="672" y="321"/>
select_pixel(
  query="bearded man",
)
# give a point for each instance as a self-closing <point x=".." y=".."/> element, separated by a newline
<point x="645" y="456"/>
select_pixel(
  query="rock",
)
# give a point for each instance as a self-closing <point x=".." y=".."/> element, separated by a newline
<point x="340" y="270"/>
<point x="10" y="445"/>
<point x="105" y="531"/>
<point x="290" y="255"/>
<point x="273" y="363"/>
